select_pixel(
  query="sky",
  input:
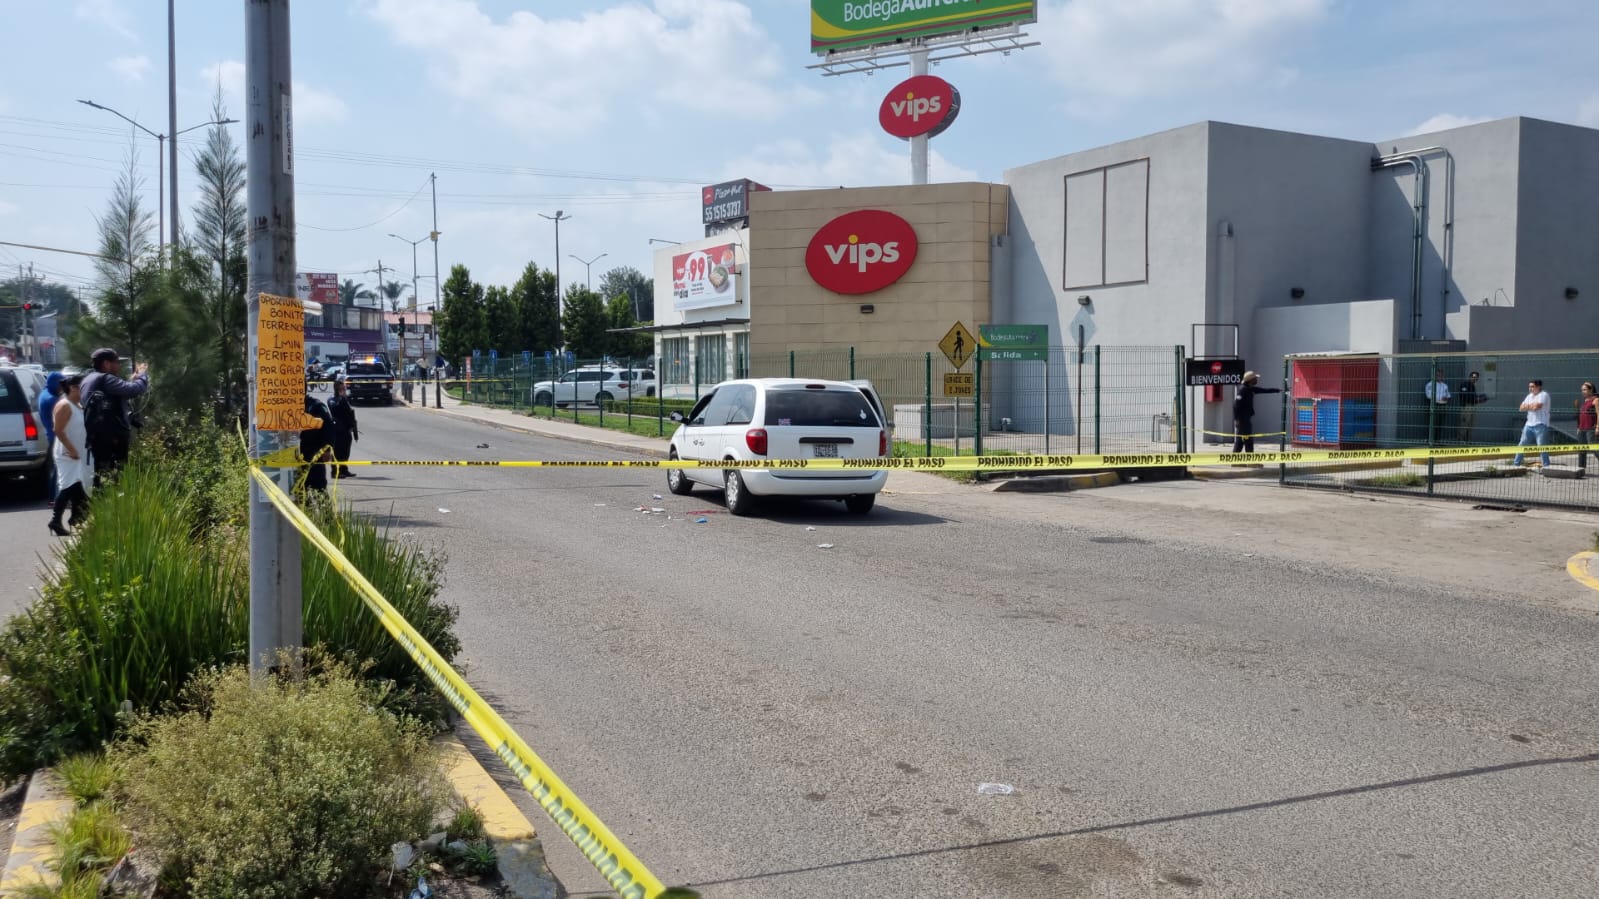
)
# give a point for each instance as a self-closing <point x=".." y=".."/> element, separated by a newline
<point x="615" y="112"/>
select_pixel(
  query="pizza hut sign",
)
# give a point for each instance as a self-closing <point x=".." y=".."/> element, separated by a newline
<point x="861" y="252"/>
<point x="925" y="104"/>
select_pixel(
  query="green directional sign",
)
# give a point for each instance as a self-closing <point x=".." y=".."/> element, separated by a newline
<point x="1014" y="343"/>
<point x="846" y="24"/>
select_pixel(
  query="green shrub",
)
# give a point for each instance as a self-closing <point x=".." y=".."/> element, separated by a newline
<point x="86" y="776"/>
<point x="140" y="601"/>
<point x="88" y="842"/>
<point x="1401" y="479"/>
<point x="284" y="789"/>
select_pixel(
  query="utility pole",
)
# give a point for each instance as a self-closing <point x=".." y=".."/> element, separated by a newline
<point x="172" y="114"/>
<point x="433" y="180"/>
<point x="275" y="611"/>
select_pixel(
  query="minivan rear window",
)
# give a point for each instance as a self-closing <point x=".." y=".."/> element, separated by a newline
<point x="804" y="408"/>
<point x="12" y="399"/>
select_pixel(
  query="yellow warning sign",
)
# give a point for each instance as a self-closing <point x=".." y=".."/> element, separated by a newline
<point x="959" y="345"/>
<point x="280" y="366"/>
<point x="959" y="383"/>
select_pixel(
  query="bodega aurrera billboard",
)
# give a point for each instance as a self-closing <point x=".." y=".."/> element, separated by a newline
<point x="849" y="24"/>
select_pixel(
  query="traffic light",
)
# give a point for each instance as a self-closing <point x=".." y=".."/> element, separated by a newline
<point x="27" y="307"/>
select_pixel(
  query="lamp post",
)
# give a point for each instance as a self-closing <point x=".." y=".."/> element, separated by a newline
<point x="559" y="217"/>
<point x="588" y="268"/>
<point x="430" y="236"/>
<point x="160" y="171"/>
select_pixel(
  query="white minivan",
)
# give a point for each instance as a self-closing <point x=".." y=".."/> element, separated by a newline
<point x="764" y="419"/>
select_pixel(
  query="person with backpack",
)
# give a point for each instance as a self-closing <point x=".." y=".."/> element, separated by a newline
<point x="107" y="417"/>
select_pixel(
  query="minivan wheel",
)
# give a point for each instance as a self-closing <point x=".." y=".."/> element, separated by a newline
<point x="860" y="503"/>
<point x="602" y="398"/>
<point x="677" y="479"/>
<point x="543" y="398"/>
<point x="739" y="499"/>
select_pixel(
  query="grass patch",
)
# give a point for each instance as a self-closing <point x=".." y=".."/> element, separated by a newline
<point x="1400" y="479"/>
<point x="642" y="425"/>
<point x="87" y="777"/>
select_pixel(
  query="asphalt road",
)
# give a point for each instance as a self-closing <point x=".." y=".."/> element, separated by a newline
<point x="1194" y="690"/>
<point x="26" y="547"/>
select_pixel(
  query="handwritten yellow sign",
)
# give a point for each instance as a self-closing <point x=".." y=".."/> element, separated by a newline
<point x="280" y="366"/>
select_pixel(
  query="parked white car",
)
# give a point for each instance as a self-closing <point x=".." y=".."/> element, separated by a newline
<point x="761" y="419"/>
<point x="23" y="448"/>
<point x="592" y="386"/>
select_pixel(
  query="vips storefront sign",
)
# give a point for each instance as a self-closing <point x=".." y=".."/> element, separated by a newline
<point x="705" y="278"/>
<point x="847" y="24"/>
<point x="923" y="105"/>
<point x="861" y="252"/>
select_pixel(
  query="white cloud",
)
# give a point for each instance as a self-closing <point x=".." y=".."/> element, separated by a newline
<point x="311" y="105"/>
<point x="1587" y="111"/>
<point x="853" y="160"/>
<point x="1445" y="121"/>
<point x="131" y="68"/>
<point x="107" y="14"/>
<point x="697" y="64"/>
<point x="7" y="208"/>
<point x="1120" y="49"/>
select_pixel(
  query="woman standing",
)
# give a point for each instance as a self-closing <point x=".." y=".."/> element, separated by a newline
<point x="1587" y="418"/>
<point x="74" y="468"/>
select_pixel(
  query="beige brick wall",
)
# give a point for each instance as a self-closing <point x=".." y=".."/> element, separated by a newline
<point x="947" y="283"/>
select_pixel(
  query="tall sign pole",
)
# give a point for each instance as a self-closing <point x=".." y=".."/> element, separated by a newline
<point x="275" y="621"/>
<point x="919" y="142"/>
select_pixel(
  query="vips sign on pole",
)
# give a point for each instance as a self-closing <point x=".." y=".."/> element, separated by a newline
<point x="849" y="24"/>
<point x="923" y="105"/>
<point x="705" y="278"/>
<point x="280" y="366"/>
<point x="1215" y="372"/>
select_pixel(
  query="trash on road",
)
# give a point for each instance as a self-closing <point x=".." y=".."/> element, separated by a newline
<point x="483" y="446"/>
<point x="824" y="546"/>
<point x="987" y="789"/>
<point x="810" y="527"/>
<point x="444" y="510"/>
<point x="701" y="520"/>
<point x="655" y="496"/>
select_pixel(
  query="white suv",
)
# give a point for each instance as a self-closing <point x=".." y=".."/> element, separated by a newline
<point x="23" y="449"/>
<point x="592" y="386"/>
<point x="763" y="419"/>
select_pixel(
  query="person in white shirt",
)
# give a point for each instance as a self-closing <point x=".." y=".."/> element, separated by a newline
<point x="1437" y="392"/>
<point x="1536" y="405"/>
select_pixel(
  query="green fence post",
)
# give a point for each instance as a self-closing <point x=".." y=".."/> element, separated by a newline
<point x="575" y="384"/>
<point x="852" y="363"/>
<point x="1432" y="420"/>
<point x="791" y="363"/>
<point x="1282" y="439"/>
<point x="927" y="414"/>
<point x="630" y="396"/>
<point x="1179" y="407"/>
<point x="1097" y="449"/>
<point x="696" y="377"/>
<point x="660" y="404"/>
<point x="977" y="411"/>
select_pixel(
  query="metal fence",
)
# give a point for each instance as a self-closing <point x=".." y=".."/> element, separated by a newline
<point x="1390" y="401"/>
<point x="1102" y="399"/>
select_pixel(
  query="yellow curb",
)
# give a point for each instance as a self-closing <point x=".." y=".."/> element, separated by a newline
<point x="521" y="858"/>
<point x="32" y="849"/>
<point x="1577" y="567"/>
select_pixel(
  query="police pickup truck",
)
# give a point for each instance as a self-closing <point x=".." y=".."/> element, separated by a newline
<point x="368" y="376"/>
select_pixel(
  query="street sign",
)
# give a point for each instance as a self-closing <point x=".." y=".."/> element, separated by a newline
<point x="1014" y="343"/>
<point x="960" y="383"/>
<point x="1215" y="372"/>
<point x="958" y="345"/>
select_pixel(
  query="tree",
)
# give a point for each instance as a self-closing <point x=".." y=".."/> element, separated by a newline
<point x="461" y="324"/>
<point x="584" y="323"/>
<point x="499" y="317"/>
<point x="351" y="290"/>
<point x="629" y="281"/>
<point x="538" y="325"/>
<point x="219" y="242"/>
<point x="626" y="345"/>
<point x="392" y="291"/>
<point x="131" y="314"/>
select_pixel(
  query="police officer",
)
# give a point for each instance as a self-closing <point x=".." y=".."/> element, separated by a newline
<point x="345" y="429"/>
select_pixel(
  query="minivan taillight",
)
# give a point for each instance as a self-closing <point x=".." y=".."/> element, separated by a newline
<point x="30" y="428"/>
<point x="882" y="443"/>
<point x="755" y="439"/>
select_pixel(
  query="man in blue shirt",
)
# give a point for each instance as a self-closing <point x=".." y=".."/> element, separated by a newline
<point x="47" y="408"/>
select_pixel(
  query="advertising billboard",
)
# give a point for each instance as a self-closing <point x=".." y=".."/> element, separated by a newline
<point x="318" y="287"/>
<point x="705" y="278"/>
<point x="851" y="24"/>
<point x="728" y="201"/>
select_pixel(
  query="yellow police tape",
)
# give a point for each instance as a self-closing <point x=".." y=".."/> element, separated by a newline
<point x="621" y="869"/>
<point x="994" y="462"/>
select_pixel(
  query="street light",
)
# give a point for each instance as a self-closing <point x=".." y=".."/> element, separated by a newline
<point x="664" y="240"/>
<point x="160" y="190"/>
<point x="432" y="235"/>
<point x="557" y="218"/>
<point x="588" y="270"/>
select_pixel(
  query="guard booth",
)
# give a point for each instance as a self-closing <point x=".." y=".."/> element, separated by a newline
<point x="1335" y="402"/>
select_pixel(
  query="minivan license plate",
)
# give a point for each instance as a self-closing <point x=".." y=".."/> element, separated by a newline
<point x="826" y="450"/>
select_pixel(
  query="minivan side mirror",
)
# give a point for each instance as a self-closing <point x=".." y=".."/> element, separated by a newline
<point x="677" y="417"/>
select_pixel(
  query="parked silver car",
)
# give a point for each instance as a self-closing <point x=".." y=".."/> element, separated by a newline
<point x="23" y="449"/>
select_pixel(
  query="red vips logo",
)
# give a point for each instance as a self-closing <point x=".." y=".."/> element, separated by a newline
<point x="925" y="104"/>
<point x="860" y="252"/>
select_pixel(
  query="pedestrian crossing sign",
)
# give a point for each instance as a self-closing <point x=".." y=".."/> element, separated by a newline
<point x="958" y="345"/>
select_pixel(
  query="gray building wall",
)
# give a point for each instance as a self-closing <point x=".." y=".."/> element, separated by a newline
<point x="1557" y="237"/>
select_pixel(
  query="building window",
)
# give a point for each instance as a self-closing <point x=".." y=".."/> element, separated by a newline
<point x="741" y="349"/>
<point x="1107" y="226"/>
<point x="674" y="361"/>
<point x="712" y="358"/>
